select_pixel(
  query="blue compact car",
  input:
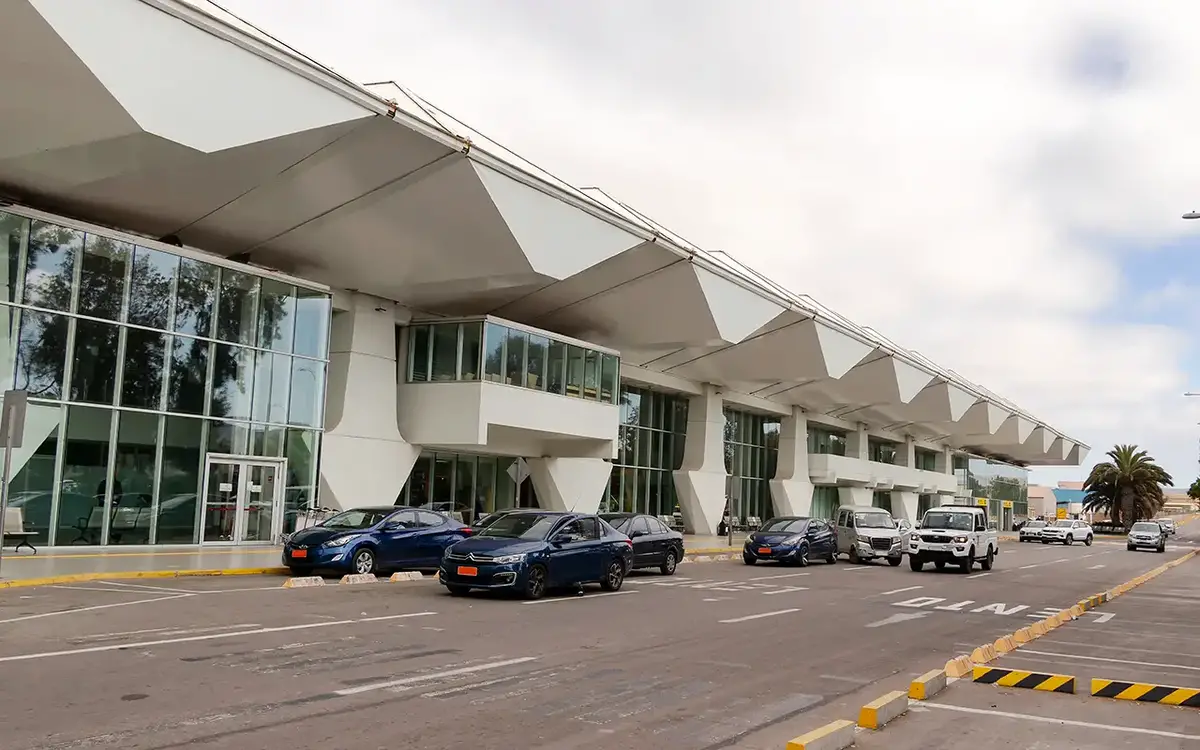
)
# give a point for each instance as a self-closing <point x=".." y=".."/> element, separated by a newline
<point x="366" y="540"/>
<point x="792" y="539"/>
<point x="531" y="552"/>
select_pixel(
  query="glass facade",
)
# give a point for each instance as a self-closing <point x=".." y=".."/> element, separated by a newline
<point x="1004" y="487"/>
<point x="486" y="349"/>
<point x="751" y="454"/>
<point x="926" y="460"/>
<point x="882" y="499"/>
<point x="139" y="361"/>
<point x="924" y="503"/>
<point x="467" y="485"/>
<point x="884" y="451"/>
<point x="826" y="440"/>
<point x="825" y="502"/>
<point x="651" y="439"/>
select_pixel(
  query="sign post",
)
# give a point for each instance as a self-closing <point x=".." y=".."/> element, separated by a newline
<point x="12" y="429"/>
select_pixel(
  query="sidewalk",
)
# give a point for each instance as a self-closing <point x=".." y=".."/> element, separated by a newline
<point x="64" y="565"/>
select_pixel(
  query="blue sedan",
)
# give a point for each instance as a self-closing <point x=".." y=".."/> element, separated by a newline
<point x="792" y="539"/>
<point x="531" y="552"/>
<point x="365" y="540"/>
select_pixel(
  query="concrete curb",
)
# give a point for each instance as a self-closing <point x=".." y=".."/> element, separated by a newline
<point x="1017" y="678"/>
<point x="880" y="711"/>
<point x="928" y="685"/>
<point x="833" y="736"/>
<point x="1145" y="692"/>
<point x="303" y="582"/>
<point x="357" y="578"/>
<point x="410" y="575"/>
<point x="135" y="574"/>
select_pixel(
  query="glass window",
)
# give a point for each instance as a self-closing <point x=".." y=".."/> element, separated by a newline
<point x="536" y="362"/>
<point x="84" y="472"/>
<point x="445" y="352"/>
<point x="591" y="375"/>
<point x="610" y="378"/>
<point x="882" y="451"/>
<point x="574" y="370"/>
<point x="276" y="316"/>
<point x="189" y="371"/>
<point x="237" y="315"/>
<point x="228" y="437"/>
<point x="233" y="377"/>
<point x="556" y="363"/>
<point x="506" y="486"/>
<point x="32" y="485"/>
<point x="41" y="354"/>
<point x="472" y="343"/>
<point x="418" y="353"/>
<point x="493" y="352"/>
<point x="195" y="295"/>
<point x="306" y="404"/>
<point x="271" y="375"/>
<point x="300" y="448"/>
<point x="466" y="501"/>
<point x="442" y="498"/>
<point x="514" y="368"/>
<point x="313" y="310"/>
<point x="589" y="528"/>
<point x="266" y="441"/>
<point x="150" y="287"/>
<point x="14" y="233"/>
<point x="133" y="478"/>
<point x="485" y="486"/>
<point x="427" y="519"/>
<point x="418" y="481"/>
<point x="50" y="268"/>
<point x="145" y="357"/>
<point x="102" y="277"/>
<point x="94" y="368"/>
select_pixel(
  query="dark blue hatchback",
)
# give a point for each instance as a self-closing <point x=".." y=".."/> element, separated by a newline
<point x="531" y="552"/>
<point x="366" y="540"/>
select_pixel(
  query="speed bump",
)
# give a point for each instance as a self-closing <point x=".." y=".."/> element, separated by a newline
<point x="1051" y="683"/>
<point x="1146" y="693"/>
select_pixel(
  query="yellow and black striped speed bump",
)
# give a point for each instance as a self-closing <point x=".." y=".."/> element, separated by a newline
<point x="1146" y="693"/>
<point x="1052" y="683"/>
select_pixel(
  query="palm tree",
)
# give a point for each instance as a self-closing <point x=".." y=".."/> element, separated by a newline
<point x="1129" y="486"/>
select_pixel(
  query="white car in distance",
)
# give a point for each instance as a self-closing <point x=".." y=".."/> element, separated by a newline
<point x="1068" y="531"/>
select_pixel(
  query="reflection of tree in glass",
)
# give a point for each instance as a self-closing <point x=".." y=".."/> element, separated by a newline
<point x="41" y="352"/>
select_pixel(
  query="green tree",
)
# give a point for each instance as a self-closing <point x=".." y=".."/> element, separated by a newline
<point x="1128" y="486"/>
<point x="1194" y="490"/>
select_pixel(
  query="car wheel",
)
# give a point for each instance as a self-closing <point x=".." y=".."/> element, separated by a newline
<point x="1162" y="548"/>
<point x="854" y="556"/>
<point x="748" y="559"/>
<point x="832" y="557"/>
<point x="363" y="561"/>
<point x="669" y="564"/>
<point x="1088" y="542"/>
<point x="915" y="563"/>
<point x="1130" y="547"/>
<point x="965" y="565"/>
<point x="1068" y="540"/>
<point x="614" y="576"/>
<point x="535" y="582"/>
<point x="895" y="561"/>
<point x="989" y="560"/>
<point x="458" y="590"/>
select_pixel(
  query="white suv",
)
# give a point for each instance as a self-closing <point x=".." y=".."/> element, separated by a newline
<point x="1068" y="531"/>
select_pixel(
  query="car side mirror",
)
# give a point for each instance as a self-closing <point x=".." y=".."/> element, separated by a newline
<point x="392" y="526"/>
<point x="636" y="533"/>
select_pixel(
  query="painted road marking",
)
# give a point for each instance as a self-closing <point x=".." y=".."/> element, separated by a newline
<point x="785" y="575"/>
<point x="979" y="575"/>
<point x="898" y="617"/>
<point x="926" y="705"/>
<point x="406" y="682"/>
<point x="934" y="602"/>
<point x="1096" y="567"/>
<point x="787" y="590"/>
<point x="901" y="591"/>
<point x="1044" y="612"/>
<point x="207" y="637"/>
<point x="856" y="569"/>
<point x="579" y="598"/>
<point x="758" y="616"/>
<point x="1112" y="661"/>
<point x="60" y="612"/>
<point x="956" y="607"/>
<point x="1103" y="617"/>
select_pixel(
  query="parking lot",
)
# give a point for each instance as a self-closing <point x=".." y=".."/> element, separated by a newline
<point x="722" y="655"/>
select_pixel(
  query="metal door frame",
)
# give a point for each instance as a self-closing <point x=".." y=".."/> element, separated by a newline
<point x="241" y="496"/>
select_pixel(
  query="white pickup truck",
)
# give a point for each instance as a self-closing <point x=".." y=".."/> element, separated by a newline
<point x="955" y="535"/>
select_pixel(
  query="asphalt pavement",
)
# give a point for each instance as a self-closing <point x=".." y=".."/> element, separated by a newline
<point x="722" y="655"/>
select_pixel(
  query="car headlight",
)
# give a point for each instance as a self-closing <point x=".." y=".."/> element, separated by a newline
<point x="864" y="540"/>
<point x="896" y="540"/>
<point x="508" y="559"/>
<point x="914" y="537"/>
<point x="792" y="541"/>
<point x="960" y="540"/>
<point x="338" y="541"/>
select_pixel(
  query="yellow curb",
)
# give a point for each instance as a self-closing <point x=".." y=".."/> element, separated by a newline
<point x="1024" y="635"/>
<point x="1038" y="629"/>
<point x="927" y="685"/>
<point x="983" y="654"/>
<point x="880" y="711"/>
<point x="833" y="736"/>
<point x="1051" y="683"/>
<point x="958" y="666"/>
<point x="1076" y="611"/>
<point x="711" y="551"/>
<point x="1051" y="623"/>
<point x="1146" y="692"/>
<point x="1005" y="644"/>
<point x="127" y="574"/>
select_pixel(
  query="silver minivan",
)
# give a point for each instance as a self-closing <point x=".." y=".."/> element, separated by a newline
<point x="867" y="533"/>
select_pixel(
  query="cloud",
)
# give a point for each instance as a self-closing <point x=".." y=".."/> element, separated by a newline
<point x="956" y="175"/>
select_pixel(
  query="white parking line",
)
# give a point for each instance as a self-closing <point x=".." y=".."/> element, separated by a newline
<point x="925" y="705"/>
<point x="758" y="616"/>
<point x="579" y="598"/>
<point x="1111" y="661"/>
<point x="207" y="637"/>
<point x="785" y="575"/>
<point x="856" y="569"/>
<point x="900" y="591"/>
<point x="1096" y="567"/>
<point x="978" y="575"/>
<point x="405" y="682"/>
<point x="60" y="612"/>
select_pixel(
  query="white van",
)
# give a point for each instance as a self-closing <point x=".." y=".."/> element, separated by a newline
<point x="868" y="533"/>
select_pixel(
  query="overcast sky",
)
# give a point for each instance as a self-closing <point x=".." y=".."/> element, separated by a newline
<point x="997" y="185"/>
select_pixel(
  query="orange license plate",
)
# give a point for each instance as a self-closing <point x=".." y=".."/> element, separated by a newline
<point x="464" y="570"/>
<point x="299" y="553"/>
<point x="764" y="550"/>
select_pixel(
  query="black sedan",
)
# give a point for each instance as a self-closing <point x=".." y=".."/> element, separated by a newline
<point x="654" y="545"/>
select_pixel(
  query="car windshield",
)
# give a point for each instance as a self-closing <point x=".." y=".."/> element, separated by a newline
<point x="786" y="525"/>
<point x="1146" y="528"/>
<point x="873" y="521"/>
<point x="620" y="523"/>
<point x="528" y="526"/>
<point x="1167" y="522"/>
<point x="945" y="520"/>
<point x="355" y="519"/>
<point x="1064" y="523"/>
<point x="1036" y="524"/>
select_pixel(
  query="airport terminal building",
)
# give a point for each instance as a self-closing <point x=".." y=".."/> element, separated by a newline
<point x="238" y="285"/>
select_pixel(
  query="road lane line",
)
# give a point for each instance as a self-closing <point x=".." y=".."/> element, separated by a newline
<point x="206" y="637"/>
<point x="785" y="590"/>
<point x="785" y="575"/>
<point x="900" y="591"/>
<point x="758" y="616"/>
<point x="856" y="569"/>
<point x="416" y="679"/>
<point x="1027" y="567"/>
<point x="1111" y="661"/>
<point x="585" y="597"/>
<point x="1051" y="720"/>
<point x="1096" y="567"/>
<point x="61" y="612"/>
<point x="978" y="575"/>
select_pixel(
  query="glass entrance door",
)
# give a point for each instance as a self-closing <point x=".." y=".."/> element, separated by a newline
<point x="243" y="501"/>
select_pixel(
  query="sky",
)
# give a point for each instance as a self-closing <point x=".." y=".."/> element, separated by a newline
<point x="995" y="185"/>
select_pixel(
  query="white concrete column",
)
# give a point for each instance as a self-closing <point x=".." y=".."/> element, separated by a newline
<point x="364" y="458"/>
<point x="904" y="505"/>
<point x="943" y="463"/>
<point x="909" y="453"/>
<point x="569" y="484"/>
<point x="861" y="496"/>
<point x="856" y="443"/>
<point x="700" y="481"/>
<point x="792" y="488"/>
